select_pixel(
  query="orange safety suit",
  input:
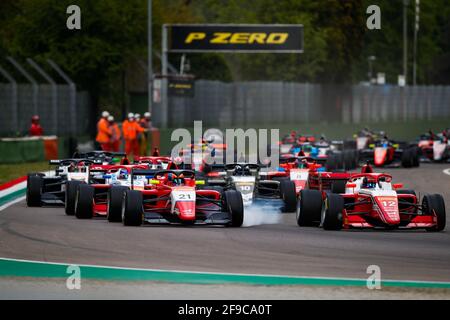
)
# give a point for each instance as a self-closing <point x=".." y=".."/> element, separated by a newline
<point x="115" y="137"/>
<point x="103" y="134"/>
<point x="131" y="129"/>
<point x="144" y="123"/>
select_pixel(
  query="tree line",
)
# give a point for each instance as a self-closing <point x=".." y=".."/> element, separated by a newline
<point x="337" y="42"/>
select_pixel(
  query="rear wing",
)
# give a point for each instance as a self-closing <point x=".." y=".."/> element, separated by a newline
<point x="150" y="173"/>
<point x="99" y="153"/>
<point x="58" y="162"/>
<point x="141" y="172"/>
<point x="214" y="168"/>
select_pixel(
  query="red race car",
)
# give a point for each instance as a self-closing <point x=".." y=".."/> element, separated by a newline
<point x="156" y="162"/>
<point x="371" y="200"/>
<point x="172" y="197"/>
<point x="385" y="152"/>
<point x="91" y="200"/>
<point x="306" y="173"/>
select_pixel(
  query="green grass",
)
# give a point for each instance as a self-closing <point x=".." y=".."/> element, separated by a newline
<point x="13" y="171"/>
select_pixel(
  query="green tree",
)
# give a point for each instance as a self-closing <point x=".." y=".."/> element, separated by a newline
<point x="387" y="44"/>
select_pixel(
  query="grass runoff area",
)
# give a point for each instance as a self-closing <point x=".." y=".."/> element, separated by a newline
<point x="10" y="172"/>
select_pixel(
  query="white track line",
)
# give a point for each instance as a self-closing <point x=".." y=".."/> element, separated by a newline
<point x="14" y="188"/>
<point x="3" y="207"/>
<point x="446" y="171"/>
<point x="214" y="273"/>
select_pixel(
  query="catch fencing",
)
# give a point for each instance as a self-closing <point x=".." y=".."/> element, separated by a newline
<point x="237" y="104"/>
<point x="55" y="121"/>
<point x="260" y="102"/>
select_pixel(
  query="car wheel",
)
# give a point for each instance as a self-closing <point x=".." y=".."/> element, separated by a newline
<point x="415" y="157"/>
<point x="132" y="209"/>
<point x="348" y="159"/>
<point x="70" y="196"/>
<point x="407" y="158"/>
<point x="34" y="190"/>
<point x="332" y="207"/>
<point x="287" y="190"/>
<point x="309" y="205"/>
<point x="235" y="207"/>
<point x="114" y="203"/>
<point x="355" y="158"/>
<point x="84" y="202"/>
<point x="435" y="202"/>
<point x="338" y="186"/>
<point x="340" y="160"/>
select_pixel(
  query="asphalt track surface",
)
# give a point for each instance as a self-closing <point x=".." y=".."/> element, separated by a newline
<point x="47" y="234"/>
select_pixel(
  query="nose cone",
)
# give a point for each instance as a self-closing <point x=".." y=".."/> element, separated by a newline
<point x="186" y="210"/>
<point x="389" y="212"/>
<point x="380" y="156"/>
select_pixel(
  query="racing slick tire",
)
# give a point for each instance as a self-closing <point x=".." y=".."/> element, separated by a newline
<point x="406" y="160"/>
<point x="34" y="190"/>
<point x="331" y="163"/>
<point x="410" y="158"/>
<point x="331" y="215"/>
<point x="348" y="159"/>
<point x="415" y="153"/>
<point x="84" y="201"/>
<point x="338" y="186"/>
<point x="132" y="210"/>
<point x="435" y="202"/>
<point x="309" y="206"/>
<point x="235" y="206"/>
<point x="70" y="196"/>
<point x="355" y="158"/>
<point x="114" y="203"/>
<point x="36" y="174"/>
<point x="340" y="160"/>
<point x="288" y="194"/>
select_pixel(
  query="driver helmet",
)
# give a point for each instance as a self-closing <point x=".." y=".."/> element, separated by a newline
<point x="368" y="184"/>
<point x="72" y="167"/>
<point x="179" y="180"/>
<point x="123" y="174"/>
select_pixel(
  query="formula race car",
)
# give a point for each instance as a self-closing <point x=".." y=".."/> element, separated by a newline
<point x="89" y="199"/>
<point x="50" y="190"/>
<point x="255" y="185"/>
<point x="156" y="162"/>
<point x="197" y="156"/>
<point x="366" y="137"/>
<point x="385" y="152"/>
<point x="371" y="200"/>
<point x="104" y="157"/>
<point x="294" y="139"/>
<point x="172" y="197"/>
<point x="334" y="155"/>
<point x="434" y="147"/>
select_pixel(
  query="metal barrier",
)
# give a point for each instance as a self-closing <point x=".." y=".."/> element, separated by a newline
<point x="59" y="124"/>
<point x="62" y="109"/>
<point x="259" y="102"/>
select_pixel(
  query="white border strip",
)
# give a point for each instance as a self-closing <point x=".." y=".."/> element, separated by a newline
<point x="7" y="205"/>
<point x="19" y="186"/>
<point x="14" y="188"/>
<point x="218" y="273"/>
